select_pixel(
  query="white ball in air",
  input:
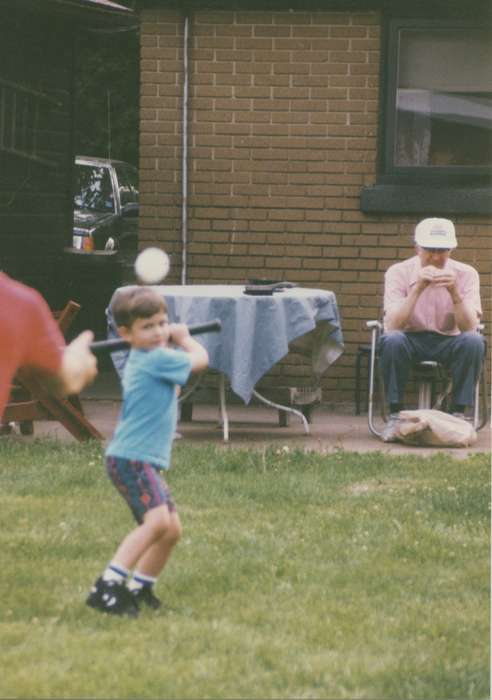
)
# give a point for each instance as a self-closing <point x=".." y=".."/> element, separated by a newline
<point x="152" y="265"/>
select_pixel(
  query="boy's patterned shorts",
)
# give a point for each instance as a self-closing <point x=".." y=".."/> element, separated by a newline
<point x="140" y="484"/>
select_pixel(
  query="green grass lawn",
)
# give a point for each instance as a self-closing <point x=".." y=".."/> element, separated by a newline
<point x="298" y="576"/>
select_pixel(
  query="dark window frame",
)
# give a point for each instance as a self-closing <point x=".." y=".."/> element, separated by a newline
<point x="413" y="189"/>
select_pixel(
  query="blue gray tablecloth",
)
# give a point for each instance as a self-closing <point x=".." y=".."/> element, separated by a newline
<point x="257" y="331"/>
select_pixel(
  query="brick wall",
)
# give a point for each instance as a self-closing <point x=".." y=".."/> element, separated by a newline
<point x="283" y="118"/>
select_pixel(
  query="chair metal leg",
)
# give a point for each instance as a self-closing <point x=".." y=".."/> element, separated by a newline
<point x="425" y="394"/>
<point x="357" y="383"/>
<point x="485" y="399"/>
<point x="370" y="402"/>
<point x="476" y="406"/>
<point x="481" y="418"/>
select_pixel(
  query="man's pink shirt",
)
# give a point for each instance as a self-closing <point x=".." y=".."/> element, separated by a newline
<point x="434" y="308"/>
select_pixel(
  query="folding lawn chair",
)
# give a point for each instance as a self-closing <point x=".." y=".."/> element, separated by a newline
<point x="432" y="381"/>
<point x="29" y="401"/>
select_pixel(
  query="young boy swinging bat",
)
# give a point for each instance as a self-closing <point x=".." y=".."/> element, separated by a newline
<point x="140" y="449"/>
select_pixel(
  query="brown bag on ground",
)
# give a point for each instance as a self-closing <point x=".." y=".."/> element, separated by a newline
<point x="432" y="428"/>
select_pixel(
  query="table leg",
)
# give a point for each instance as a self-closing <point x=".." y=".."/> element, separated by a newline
<point x="223" y="408"/>
<point x="287" y="409"/>
<point x="186" y="405"/>
<point x="186" y="412"/>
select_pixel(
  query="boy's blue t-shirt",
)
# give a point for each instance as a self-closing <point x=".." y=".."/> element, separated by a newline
<point x="148" y="418"/>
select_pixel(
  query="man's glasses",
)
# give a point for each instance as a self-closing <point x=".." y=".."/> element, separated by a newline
<point x="436" y="250"/>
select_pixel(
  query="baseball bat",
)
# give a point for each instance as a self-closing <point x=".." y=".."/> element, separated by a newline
<point x="115" y="344"/>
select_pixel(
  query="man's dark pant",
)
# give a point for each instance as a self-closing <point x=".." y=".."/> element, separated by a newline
<point x="461" y="354"/>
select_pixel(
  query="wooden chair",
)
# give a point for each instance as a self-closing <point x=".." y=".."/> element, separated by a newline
<point x="29" y="401"/>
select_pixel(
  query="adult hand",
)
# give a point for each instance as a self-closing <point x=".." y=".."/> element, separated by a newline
<point x="445" y="278"/>
<point x="79" y="365"/>
<point x="427" y="275"/>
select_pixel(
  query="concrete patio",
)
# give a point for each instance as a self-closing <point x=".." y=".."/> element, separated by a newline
<point x="255" y="426"/>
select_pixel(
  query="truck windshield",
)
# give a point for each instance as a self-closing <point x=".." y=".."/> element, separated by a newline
<point x="93" y="188"/>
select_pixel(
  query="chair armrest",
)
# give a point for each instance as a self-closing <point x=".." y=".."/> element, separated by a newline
<point x="376" y="328"/>
<point x="67" y="315"/>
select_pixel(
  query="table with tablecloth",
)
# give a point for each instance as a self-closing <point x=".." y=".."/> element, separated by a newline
<point x="257" y="330"/>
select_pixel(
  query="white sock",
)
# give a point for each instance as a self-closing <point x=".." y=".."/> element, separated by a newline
<point x="115" y="572"/>
<point x="140" y="580"/>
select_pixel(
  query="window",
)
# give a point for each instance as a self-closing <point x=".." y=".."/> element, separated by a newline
<point x="25" y="115"/>
<point x="442" y="102"/>
<point x="127" y="183"/>
<point x="437" y="119"/>
<point x="93" y="189"/>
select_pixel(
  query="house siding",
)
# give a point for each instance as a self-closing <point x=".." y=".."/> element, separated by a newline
<point x="35" y="147"/>
<point x="282" y="129"/>
<point x="38" y="42"/>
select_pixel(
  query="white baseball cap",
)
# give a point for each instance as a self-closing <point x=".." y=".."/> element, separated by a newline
<point x="435" y="233"/>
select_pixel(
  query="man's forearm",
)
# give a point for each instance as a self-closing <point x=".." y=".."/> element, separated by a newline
<point x="78" y="366"/>
<point x="397" y="318"/>
<point x="465" y="316"/>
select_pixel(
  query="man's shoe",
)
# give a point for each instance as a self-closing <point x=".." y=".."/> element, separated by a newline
<point x="390" y="430"/>
<point x="112" y="597"/>
<point x="146" y="595"/>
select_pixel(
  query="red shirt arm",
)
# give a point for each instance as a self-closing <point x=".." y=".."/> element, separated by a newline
<point x="43" y="341"/>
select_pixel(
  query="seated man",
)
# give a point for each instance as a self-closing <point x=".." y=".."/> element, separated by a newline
<point x="431" y="312"/>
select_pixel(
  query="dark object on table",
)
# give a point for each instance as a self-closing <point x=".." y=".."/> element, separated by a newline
<point x="259" y="288"/>
<point x="262" y="280"/>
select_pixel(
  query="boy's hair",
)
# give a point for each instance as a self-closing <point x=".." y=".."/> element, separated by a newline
<point x="136" y="302"/>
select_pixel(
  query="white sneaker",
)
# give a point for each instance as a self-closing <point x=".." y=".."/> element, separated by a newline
<point x="390" y="430"/>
